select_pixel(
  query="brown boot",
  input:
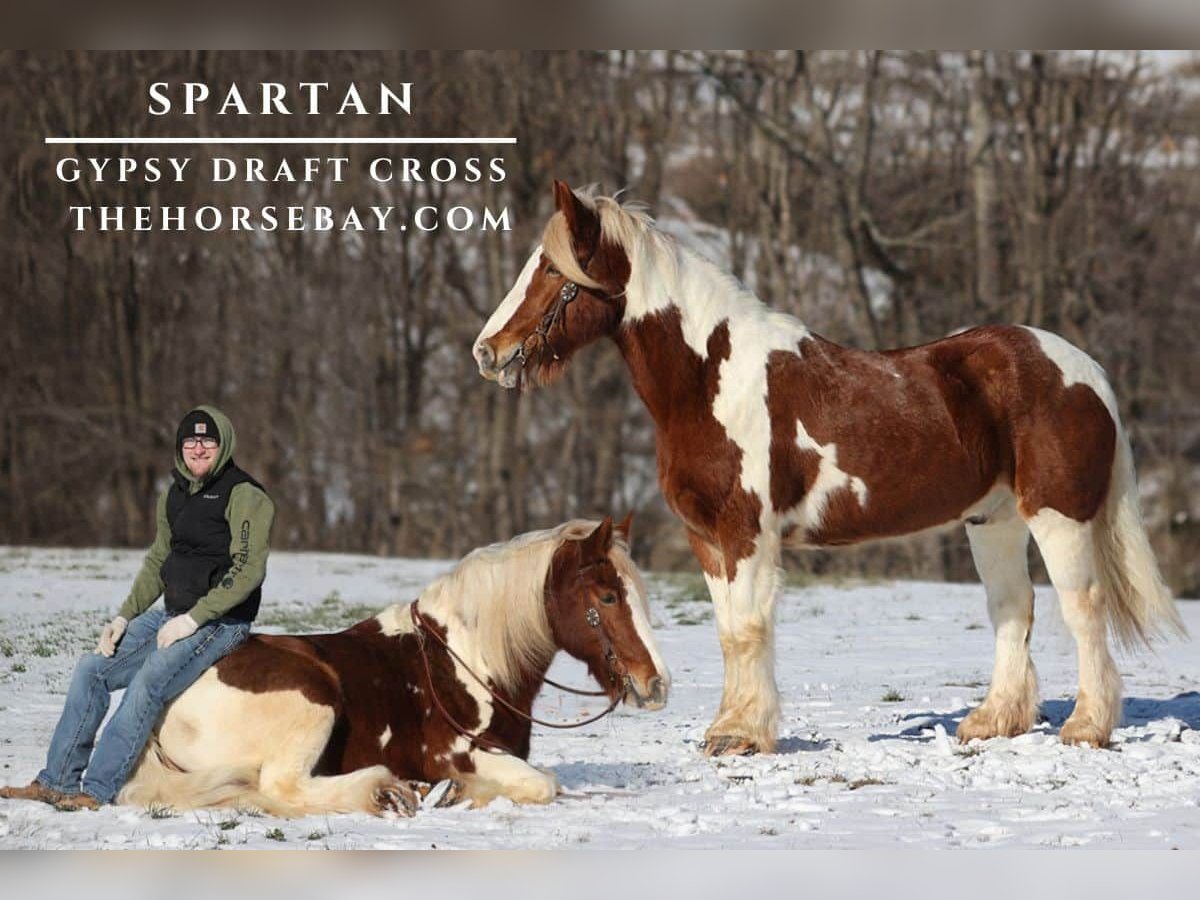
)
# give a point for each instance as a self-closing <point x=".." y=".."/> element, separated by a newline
<point x="74" y="802"/>
<point x="35" y="790"/>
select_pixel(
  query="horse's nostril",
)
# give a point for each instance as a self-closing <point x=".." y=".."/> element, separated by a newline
<point x="484" y="354"/>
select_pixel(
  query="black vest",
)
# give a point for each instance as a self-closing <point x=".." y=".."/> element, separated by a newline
<point x="200" y="543"/>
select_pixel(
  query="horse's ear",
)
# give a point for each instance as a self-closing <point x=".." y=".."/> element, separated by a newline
<point x="582" y="222"/>
<point x="599" y="542"/>
<point x="624" y="528"/>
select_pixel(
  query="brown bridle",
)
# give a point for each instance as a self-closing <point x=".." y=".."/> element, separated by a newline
<point x="593" y="619"/>
<point x="556" y="315"/>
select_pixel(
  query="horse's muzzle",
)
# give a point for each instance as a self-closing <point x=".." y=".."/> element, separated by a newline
<point x="652" y="696"/>
<point x="505" y="371"/>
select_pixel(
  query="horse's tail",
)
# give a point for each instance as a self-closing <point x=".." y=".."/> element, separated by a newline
<point x="1137" y="600"/>
<point x="158" y="781"/>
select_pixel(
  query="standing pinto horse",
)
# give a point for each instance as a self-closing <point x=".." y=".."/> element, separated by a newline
<point x="770" y="435"/>
<point x="435" y="689"/>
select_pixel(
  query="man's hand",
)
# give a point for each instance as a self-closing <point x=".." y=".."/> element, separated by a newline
<point x="176" y="628"/>
<point x="110" y="636"/>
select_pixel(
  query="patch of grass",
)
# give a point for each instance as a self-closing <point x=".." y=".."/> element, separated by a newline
<point x="891" y="695"/>
<point x="974" y="626"/>
<point x="222" y="840"/>
<point x="800" y="578"/>
<point x="19" y="667"/>
<point x="685" y="596"/>
<point x="913" y="617"/>
<point x="814" y="778"/>
<point x="229" y="824"/>
<point x="315" y="835"/>
<point x="276" y="834"/>
<point x="815" y="611"/>
<point x="161" y="811"/>
<point x="331" y="614"/>
<point x="67" y="633"/>
<point x="862" y="783"/>
<point x="686" y="588"/>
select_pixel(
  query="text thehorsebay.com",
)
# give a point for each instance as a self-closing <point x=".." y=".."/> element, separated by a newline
<point x="268" y="164"/>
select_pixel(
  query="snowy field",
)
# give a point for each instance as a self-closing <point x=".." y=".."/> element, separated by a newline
<point x="874" y="678"/>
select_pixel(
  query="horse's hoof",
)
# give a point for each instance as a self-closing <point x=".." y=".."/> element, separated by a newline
<point x="729" y="745"/>
<point x="980" y="724"/>
<point x="985" y="722"/>
<point x="396" y="800"/>
<point x="1078" y="732"/>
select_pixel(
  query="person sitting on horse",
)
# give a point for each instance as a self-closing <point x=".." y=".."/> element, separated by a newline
<point x="208" y="561"/>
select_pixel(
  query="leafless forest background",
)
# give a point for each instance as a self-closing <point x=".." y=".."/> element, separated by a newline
<point x="885" y="198"/>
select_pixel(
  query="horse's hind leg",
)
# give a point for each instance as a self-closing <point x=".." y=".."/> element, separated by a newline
<point x="289" y="788"/>
<point x="1068" y="550"/>
<point x="999" y="548"/>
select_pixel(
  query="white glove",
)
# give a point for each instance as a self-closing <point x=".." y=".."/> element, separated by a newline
<point x="176" y="628"/>
<point x="111" y="636"/>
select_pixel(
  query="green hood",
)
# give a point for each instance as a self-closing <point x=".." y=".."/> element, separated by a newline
<point x="228" y="444"/>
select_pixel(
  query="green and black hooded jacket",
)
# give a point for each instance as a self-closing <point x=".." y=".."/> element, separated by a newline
<point x="213" y="580"/>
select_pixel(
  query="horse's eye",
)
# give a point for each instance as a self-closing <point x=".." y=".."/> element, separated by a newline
<point x="552" y="272"/>
<point x="608" y="599"/>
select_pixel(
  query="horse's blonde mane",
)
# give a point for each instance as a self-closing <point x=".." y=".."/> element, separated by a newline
<point x="663" y="273"/>
<point x="628" y="225"/>
<point x="495" y="598"/>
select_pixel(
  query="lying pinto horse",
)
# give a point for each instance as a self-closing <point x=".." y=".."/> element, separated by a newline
<point x="769" y="435"/>
<point x="441" y="688"/>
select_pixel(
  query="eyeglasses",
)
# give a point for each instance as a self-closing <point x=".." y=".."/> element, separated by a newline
<point x="208" y="443"/>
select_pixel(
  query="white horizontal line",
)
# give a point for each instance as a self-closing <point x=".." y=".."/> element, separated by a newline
<point x="281" y="140"/>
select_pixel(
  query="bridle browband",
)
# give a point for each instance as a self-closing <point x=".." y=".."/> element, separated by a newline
<point x="593" y="619"/>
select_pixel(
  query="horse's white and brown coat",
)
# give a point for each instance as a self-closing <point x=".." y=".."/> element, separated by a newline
<point x="768" y="435"/>
<point x="341" y="722"/>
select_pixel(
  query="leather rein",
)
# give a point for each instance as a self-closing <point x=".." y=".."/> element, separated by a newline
<point x="423" y="628"/>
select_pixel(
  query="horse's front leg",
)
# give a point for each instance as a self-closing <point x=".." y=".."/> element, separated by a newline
<point x="502" y="775"/>
<point x="743" y="593"/>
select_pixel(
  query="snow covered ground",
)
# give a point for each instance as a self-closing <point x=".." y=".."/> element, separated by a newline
<point x="874" y="676"/>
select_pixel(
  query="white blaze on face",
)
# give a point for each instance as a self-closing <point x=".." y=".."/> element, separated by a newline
<point x="513" y="301"/>
<point x="641" y="624"/>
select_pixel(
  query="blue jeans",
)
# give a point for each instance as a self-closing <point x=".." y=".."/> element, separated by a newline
<point x="152" y="678"/>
